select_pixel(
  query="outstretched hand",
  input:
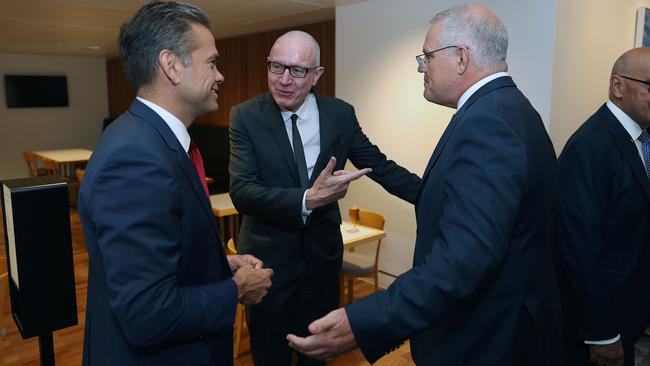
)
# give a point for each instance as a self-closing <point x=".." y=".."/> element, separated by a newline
<point x="331" y="185"/>
<point x="331" y="336"/>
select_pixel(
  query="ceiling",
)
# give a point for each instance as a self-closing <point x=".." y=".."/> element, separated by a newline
<point x="90" y="27"/>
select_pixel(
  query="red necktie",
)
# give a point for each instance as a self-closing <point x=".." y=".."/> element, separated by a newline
<point x="197" y="161"/>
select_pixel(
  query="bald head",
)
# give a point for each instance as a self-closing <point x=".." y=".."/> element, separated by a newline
<point x="300" y="44"/>
<point x="629" y="85"/>
<point x="632" y="61"/>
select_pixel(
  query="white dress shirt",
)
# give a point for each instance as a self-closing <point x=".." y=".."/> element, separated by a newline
<point x="175" y="124"/>
<point x="472" y="89"/>
<point x="308" y="124"/>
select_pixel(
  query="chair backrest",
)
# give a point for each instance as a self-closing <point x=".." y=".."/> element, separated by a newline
<point x="80" y="174"/>
<point x="51" y="167"/>
<point x="230" y="247"/>
<point x="376" y="221"/>
<point x="32" y="164"/>
<point x="371" y="219"/>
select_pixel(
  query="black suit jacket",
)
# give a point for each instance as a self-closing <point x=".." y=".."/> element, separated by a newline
<point x="159" y="287"/>
<point x="265" y="187"/>
<point x="482" y="290"/>
<point x="605" y="230"/>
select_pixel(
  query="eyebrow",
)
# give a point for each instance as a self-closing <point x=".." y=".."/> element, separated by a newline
<point x="213" y="58"/>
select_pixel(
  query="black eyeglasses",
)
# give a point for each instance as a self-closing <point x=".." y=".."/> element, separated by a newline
<point x="423" y="59"/>
<point x="647" y="83"/>
<point x="295" y="71"/>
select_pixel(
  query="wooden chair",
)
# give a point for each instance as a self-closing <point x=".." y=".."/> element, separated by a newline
<point x="52" y="169"/>
<point x="79" y="173"/>
<point x="239" y="315"/>
<point x="35" y="170"/>
<point x="360" y="265"/>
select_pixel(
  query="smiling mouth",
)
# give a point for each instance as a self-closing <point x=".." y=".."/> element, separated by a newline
<point x="284" y="93"/>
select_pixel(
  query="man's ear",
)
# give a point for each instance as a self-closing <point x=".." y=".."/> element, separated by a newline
<point x="317" y="73"/>
<point x="462" y="54"/>
<point x="169" y="64"/>
<point x="616" y="86"/>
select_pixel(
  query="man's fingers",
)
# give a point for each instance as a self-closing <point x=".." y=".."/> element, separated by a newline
<point x="307" y="346"/>
<point x="350" y="176"/>
<point x="326" y="172"/>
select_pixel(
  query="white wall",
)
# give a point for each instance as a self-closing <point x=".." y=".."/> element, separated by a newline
<point x="78" y="125"/>
<point x="376" y="44"/>
<point x="590" y="36"/>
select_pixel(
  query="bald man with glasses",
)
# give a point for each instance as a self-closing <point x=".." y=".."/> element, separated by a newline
<point x="605" y="221"/>
<point x="288" y="149"/>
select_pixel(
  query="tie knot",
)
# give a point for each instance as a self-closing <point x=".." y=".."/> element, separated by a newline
<point x="644" y="138"/>
<point x="294" y="118"/>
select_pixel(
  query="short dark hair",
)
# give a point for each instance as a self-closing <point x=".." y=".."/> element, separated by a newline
<point x="155" y="27"/>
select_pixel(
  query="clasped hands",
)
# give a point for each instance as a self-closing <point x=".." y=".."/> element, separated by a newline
<point x="251" y="278"/>
<point x="331" y="185"/>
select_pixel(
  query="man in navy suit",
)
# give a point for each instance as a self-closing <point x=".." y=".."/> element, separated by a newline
<point x="483" y="289"/>
<point x="604" y="221"/>
<point x="284" y="148"/>
<point x="161" y="290"/>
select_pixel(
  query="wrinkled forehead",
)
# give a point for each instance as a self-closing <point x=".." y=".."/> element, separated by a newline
<point x="293" y="52"/>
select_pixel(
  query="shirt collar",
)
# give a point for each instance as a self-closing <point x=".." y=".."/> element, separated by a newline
<point x="305" y="111"/>
<point x="472" y="89"/>
<point x="632" y="128"/>
<point x="177" y="127"/>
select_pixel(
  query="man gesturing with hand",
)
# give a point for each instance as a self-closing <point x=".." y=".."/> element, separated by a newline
<point x="287" y="151"/>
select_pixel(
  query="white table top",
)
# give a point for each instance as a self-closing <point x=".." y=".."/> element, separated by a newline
<point x="222" y="205"/>
<point x="66" y="155"/>
<point x="363" y="235"/>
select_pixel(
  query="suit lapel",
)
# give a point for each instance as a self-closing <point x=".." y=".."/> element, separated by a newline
<point x="275" y="124"/>
<point x="173" y="144"/>
<point x="627" y="148"/>
<point x="505" y="81"/>
<point x="325" y="123"/>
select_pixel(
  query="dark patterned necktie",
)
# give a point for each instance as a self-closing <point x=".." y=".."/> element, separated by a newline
<point x="645" y="149"/>
<point x="299" y="152"/>
<point x="197" y="161"/>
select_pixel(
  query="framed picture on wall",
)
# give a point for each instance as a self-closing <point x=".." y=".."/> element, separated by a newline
<point x="642" y="34"/>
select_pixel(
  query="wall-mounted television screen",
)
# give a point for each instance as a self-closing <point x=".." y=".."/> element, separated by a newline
<point x="27" y="91"/>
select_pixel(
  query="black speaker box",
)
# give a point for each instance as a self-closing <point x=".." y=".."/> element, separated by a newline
<point x="39" y="254"/>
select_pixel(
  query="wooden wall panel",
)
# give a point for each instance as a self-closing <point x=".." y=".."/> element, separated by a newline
<point x="243" y="64"/>
<point x="120" y="94"/>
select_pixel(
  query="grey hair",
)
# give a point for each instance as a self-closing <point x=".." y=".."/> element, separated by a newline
<point x="486" y="37"/>
<point x="155" y="27"/>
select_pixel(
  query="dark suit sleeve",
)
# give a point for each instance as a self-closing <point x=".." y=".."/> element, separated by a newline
<point x="282" y="206"/>
<point x="584" y="193"/>
<point x="395" y="179"/>
<point x="483" y="187"/>
<point x="136" y="205"/>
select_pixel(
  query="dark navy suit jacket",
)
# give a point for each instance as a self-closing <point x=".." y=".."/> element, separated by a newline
<point x="605" y="230"/>
<point x="265" y="187"/>
<point x="159" y="287"/>
<point x="483" y="289"/>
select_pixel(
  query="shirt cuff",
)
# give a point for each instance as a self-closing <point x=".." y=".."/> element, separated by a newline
<point x="604" y="342"/>
<point x="305" y="211"/>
